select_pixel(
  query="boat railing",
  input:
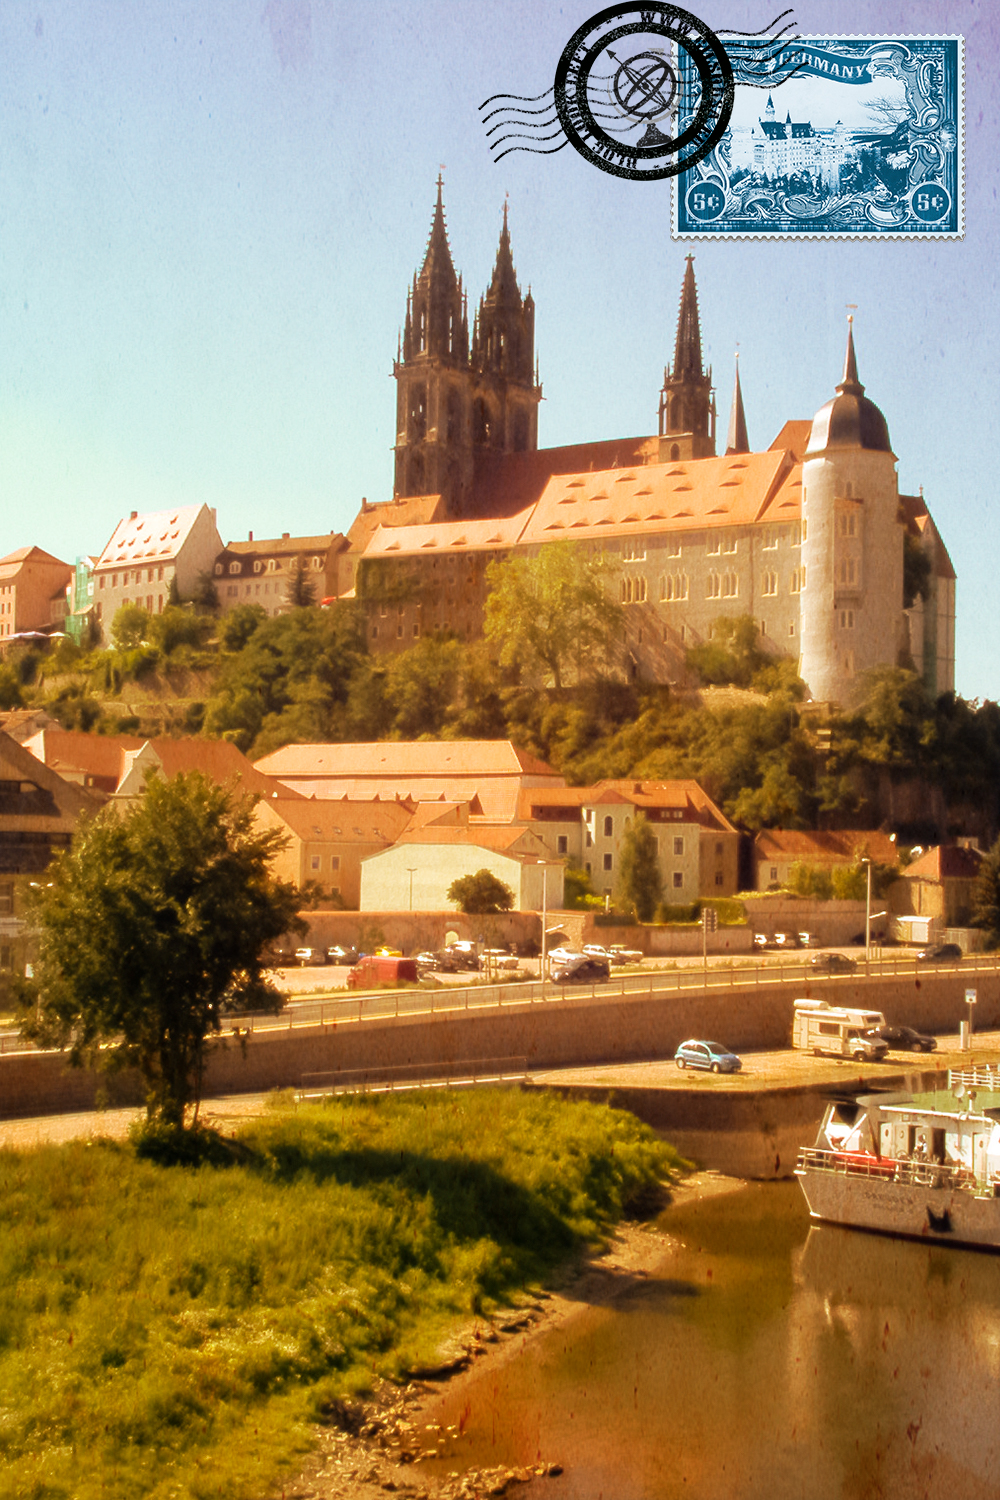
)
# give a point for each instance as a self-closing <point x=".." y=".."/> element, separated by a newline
<point x="987" y="1077"/>
<point x="907" y="1170"/>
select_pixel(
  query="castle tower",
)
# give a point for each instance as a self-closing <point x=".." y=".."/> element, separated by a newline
<point x="506" y="392"/>
<point x="737" y="440"/>
<point x="687" y="406"/>
<point x="433" y="441"/>
<point x="851" y="578"/>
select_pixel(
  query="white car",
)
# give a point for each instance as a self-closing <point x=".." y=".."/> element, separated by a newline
<point x="619" y="955"/>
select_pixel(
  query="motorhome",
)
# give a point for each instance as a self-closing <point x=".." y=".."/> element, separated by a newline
<point x="838" y="1031"/>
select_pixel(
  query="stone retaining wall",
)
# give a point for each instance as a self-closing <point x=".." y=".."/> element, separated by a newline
<point x="546" y="1035"/>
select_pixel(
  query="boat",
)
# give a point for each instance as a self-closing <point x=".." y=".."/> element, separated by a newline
<point x="923" y="1165"/>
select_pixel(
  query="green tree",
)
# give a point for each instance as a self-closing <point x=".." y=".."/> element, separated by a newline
<point x="986" y="897"/>
<point x="177" y="627"/>
<point x="731" y="655"/>
<point x="481" y="894"/>
<point x="153" y="922"/>
<point x="130" y="627"/>
<point x="551" y="615"/>
<point x="299" y="591"/>
<point x="640" y="884"/>
<point x="239" y="624"/>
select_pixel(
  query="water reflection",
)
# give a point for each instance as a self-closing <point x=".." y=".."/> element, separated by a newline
<point x="768" y="1359"/>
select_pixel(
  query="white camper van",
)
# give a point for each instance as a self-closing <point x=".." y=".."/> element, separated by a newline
<point x="837" y="1031"/>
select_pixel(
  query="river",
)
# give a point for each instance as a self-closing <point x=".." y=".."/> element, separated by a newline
<point x="764" y="1358"/>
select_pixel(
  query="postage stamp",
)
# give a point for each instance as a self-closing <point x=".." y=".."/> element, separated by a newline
<point x="863" y="141"/>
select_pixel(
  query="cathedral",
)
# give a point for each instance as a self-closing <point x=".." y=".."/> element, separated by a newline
<point x="810" y="536"/>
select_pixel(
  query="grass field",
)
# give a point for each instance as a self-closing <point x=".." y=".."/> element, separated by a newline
<point x="174" y="1330"/>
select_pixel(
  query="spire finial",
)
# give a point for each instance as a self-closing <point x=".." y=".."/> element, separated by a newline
<point x="737" y="440"/>
<point x="850" y="382"/>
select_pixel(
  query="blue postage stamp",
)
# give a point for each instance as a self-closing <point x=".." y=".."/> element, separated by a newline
<point x="863" y="141"/>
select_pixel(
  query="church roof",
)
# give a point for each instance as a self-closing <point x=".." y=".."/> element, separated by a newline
<point x="919" y="522"/>
<point x="447" y="536"/>
<point x="156" y="535"/>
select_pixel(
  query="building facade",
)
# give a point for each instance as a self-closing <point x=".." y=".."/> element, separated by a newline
<point x="152" y="558"/>
<point x="272" y="572"/>
<point x="806" y="537"/>
<point x="32" y="592"/>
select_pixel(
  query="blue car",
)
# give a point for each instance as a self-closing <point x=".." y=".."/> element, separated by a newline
<point x="711" y="1056"/>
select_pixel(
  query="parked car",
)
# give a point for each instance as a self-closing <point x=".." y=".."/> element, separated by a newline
<point x="761" y="940"/>
<point x="786" y="940"/>
<point x="906" y="1039"/>
<point x="710" y="1056"/>
<point x="832" y="963"/>
<point x="583" y="968"/>
<point x="620" y="955"/>
<point x="940" y="953"/>
<point x="308" y="956"/>
<point x="562" y="955"/>
<point x="339" y="954"/>
<point x="456" y="961"/>
<point x="598" y="950"/>
<point x="810" y="940"/>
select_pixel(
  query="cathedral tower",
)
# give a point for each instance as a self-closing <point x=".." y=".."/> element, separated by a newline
<point x="687" y="407"/>
<point x="852" y="545"/>
<point x="506" y="393"/>
<point x="452" y="404"/>
<point x="433" y="445"/>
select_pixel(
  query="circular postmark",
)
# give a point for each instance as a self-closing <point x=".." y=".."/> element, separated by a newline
<point x="644" y="91"/>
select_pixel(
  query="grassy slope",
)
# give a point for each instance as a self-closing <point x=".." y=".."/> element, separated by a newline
<point x="169" y="1331"/>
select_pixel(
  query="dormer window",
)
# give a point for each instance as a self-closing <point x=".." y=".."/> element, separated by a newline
<point x="234" y="568"/>
<point x="218" y="570"/>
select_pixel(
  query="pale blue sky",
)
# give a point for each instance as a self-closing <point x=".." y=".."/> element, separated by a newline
<point x="210" y="212"/>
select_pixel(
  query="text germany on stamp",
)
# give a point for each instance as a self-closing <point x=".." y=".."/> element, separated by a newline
<point x="864" y="141"/>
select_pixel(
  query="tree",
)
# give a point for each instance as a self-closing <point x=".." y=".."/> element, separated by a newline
<point x="299" y="591"/>
<point x="640" y="883"/>
<point x="130" y="627"/>
<point x="552" y="615"/>
<point x="986" y="896"/>
<point x="731" y="655"/>
<point x="481" y="894"/>
<point x="153" y="922"/>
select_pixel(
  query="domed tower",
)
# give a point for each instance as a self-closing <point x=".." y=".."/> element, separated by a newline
<point x="851" y="575"/>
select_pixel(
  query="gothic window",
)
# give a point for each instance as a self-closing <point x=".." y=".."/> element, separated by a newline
<point x="634" y="550"/>
<point x="713" y="545"/>
<point x="730" y="586"/>
<point x="454" y="417"/>
<point x="847" y="524"/>
<point x="769" y="583"/>
<point x="849" y="572"/>
<point x="674" y="587"/>
<point x="713" y="586"/>
<point x="417" y="424"/>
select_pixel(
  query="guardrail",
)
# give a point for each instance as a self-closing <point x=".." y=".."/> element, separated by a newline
<point x="343" y="1008"/>
<point x="422" y="1076"/>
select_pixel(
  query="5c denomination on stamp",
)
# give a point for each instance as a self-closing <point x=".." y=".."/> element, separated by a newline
<point x="864" y="140"/>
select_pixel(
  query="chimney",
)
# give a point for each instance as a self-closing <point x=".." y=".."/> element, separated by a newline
<point x="249" y="536"/>
<point x="285" y="535"/>
<point x="133" y="515"/>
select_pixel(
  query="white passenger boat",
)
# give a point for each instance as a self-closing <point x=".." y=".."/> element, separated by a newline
<point x="921" y="1165"/>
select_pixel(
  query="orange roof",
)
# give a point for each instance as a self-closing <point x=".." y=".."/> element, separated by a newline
<point x="448" y="536"/>
<point x="794" y="436"/>
<point x="380" y="759"/>
<point x="69" y="750"/>
<point x="506" y="483"/>
<point x="292" y="545"/>
<point x="827" y="846"/>
<point x="919" y="522"/>
<point x="415" y="510"/>
<point x="688" y="494"/>
<point x="685" y="795"/>
<point x="219" y="761"/>
<point x="155" y="535"/>
<point x="502" y="838"/>
<point x="945" y="862"/>
<point x="339" y="822"/>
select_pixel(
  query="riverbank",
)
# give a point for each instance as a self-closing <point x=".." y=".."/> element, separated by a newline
<point x="383" y="1445"/>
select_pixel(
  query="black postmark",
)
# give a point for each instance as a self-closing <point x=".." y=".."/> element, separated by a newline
<point x="618" y="94"/>
<point x="642" y="91"/>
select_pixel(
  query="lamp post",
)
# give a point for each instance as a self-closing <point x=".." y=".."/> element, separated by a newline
<point x="868" y="916"/>
<point x="411" y="874"/>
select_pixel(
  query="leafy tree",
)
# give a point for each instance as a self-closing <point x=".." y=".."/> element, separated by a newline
<point x="640" y="883"/>
<point x="238" y="625"/>
<point x="153" y="922"/>
<point x="731" y="655"/>
<point x="917" y="571"/>
<point x="578" y="892"/>
<point x="481" y="894"/>
<point x="177" y="627"/>
<point x="813" y="881"/>
<point x="299" y="591"/>
<point x="986" y="896"/>
<point x="130" y="627"/>
<point x="551" y="615"/>
<point x="11" y="693"/>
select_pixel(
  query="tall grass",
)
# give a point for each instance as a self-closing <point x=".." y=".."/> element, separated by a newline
<point x="172" y="1331"/>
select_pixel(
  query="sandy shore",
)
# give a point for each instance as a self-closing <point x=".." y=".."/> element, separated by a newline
<point x="375" y="1447"/>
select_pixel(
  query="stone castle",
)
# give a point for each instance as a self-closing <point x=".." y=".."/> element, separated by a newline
<point x="807" y="536"/>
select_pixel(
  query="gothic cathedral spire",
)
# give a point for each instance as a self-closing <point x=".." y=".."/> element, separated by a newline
<point x="687" y="406"/>
<point x="737" y="441"/>
<point x="505" y="413"/>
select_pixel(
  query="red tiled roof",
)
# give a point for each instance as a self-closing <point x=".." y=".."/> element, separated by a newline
<point x="382" y="759"/>
<point x="155" y="535"/>
<point x="827" y="846"/>
<point x="340" y="822"/>
<point x="945" y="862"/>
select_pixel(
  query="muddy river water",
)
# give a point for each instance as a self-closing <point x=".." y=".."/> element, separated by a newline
<point x="764" y="1358"/>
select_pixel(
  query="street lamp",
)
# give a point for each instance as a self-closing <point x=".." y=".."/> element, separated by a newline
<point x="411" y="874"/>
<point x="868" y="914"/>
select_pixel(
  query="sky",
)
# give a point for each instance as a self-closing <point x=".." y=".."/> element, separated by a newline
<point x="210" y="213"/>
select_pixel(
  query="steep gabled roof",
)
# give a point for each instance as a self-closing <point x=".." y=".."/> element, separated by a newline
<point x="69" y="802"/>
<point x="339" y="822"/>
<point x="155" y="536"/>
<point x="827" y="846"/>
<point x="945" y="862"/>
